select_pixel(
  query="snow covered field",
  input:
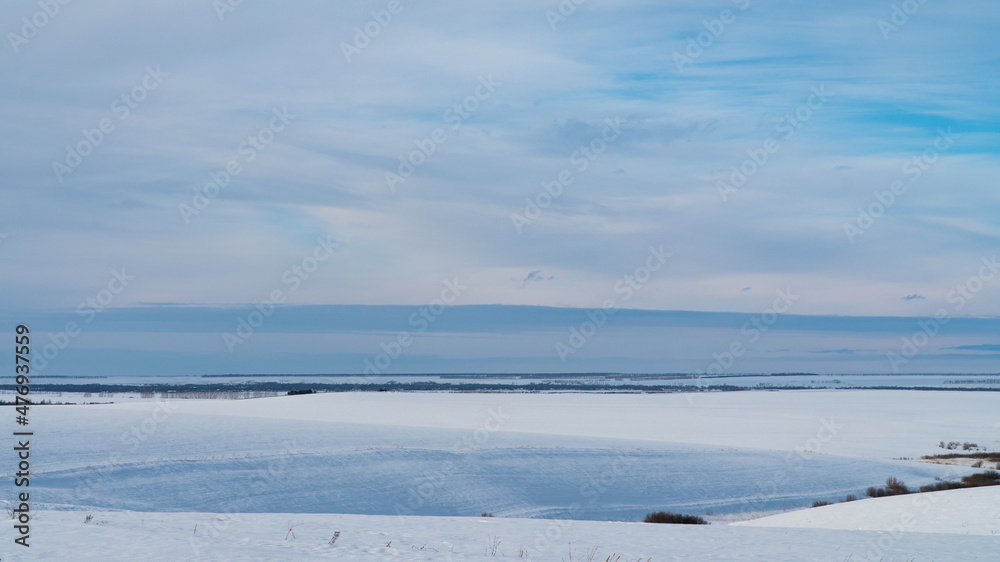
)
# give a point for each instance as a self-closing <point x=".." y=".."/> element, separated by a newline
<point x="974" y="511"/>
<point x="63" y="535"/>
<point x="418" y="468"/>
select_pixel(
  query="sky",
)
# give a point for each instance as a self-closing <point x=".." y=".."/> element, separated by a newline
<point x="696" y="156"/>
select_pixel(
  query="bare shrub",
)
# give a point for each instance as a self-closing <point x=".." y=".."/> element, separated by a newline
<point x="493" y="545"/>
<point x="988" y="478"/>
<point x="673" y="518"/>
<point x="893" y="487"/>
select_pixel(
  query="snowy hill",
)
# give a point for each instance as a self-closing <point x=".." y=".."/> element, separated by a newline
<point x="972" y="511"/>
<point x="569" y="465"/>
<point x="173" y="536"/>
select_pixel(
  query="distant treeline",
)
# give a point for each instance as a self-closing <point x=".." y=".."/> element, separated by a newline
<point x="529" y="376"/>
<point x="284" y="387"/>
<point x="430" y="386"/>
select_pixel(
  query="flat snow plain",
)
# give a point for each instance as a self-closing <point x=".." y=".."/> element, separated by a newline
<point x="555" y="469"/>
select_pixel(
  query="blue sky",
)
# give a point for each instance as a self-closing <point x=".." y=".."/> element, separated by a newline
<point x="641" y="151"/>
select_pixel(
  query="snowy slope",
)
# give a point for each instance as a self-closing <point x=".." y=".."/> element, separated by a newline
<point x="283" y="455"/>
<point x="561" y="456"/>
<point x="972" y="511"/>
<point x="873" y="424"/>
<point x="61" y="535"/>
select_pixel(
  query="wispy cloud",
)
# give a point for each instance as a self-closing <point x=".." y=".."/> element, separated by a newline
<point x="534" y="277"/>
<point x="325" y="172"/>
<point x="837" y="351"/>
<point x="978" y="347"/>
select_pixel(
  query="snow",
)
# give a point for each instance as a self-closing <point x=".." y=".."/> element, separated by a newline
<point x="970" y="511"/>
<point x="418" y="468"/>
<point x="883" y="424"/>
<point x="174" y="536"/>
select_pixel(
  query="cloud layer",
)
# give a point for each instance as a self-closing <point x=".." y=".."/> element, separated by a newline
<point x="845" y="152"/>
